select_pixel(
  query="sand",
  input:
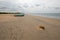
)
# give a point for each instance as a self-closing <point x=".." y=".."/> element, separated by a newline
<point x="28" y="28"/>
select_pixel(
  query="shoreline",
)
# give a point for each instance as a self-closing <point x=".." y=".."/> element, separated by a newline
<point x="47" y="16"/>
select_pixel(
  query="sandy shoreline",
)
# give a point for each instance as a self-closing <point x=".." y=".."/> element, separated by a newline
<point x="27" y="28"/>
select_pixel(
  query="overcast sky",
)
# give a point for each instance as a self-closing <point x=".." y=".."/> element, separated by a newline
<point x="30" y="6"/>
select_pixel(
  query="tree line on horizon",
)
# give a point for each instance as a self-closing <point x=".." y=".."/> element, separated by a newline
<point x="9" y="12"/>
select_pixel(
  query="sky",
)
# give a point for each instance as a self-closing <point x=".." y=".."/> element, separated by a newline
<point x="30" y="6"/>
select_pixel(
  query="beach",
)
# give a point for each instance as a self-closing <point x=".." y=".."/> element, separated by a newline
<point x="28" y="28"/>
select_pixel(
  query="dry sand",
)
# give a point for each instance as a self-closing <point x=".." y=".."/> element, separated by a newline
<point x="27" y="28"/>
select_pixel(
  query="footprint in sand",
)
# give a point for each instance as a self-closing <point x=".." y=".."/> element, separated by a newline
<point x="41" y="28"/>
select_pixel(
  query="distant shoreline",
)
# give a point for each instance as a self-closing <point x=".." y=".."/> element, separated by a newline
<point x="48" y="15"/>
<point x="9" y="12"/>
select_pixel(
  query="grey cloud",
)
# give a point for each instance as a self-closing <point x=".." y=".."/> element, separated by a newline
<point x="37" y="6"/>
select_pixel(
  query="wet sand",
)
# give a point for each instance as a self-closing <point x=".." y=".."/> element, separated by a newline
<point x="27" y="28"/>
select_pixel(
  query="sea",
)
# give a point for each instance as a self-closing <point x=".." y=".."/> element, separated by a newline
<point x="48" y="15"/>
